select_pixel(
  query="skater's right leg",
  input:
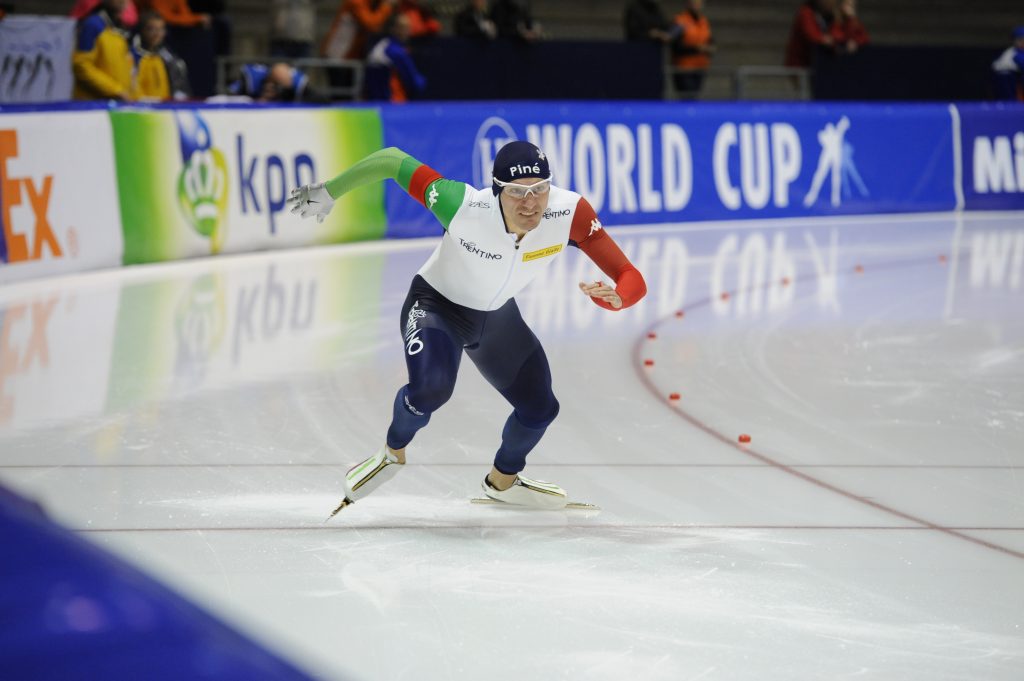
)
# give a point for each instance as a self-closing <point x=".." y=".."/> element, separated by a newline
<point x="432" y="357"/>
<point x="433" y="365"/>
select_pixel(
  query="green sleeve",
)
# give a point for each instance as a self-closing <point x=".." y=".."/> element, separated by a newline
<point x="380" y="165"/>
<point x="444" y="198"/>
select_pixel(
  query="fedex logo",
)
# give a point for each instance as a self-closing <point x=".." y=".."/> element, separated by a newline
<point x="24" y="244"/>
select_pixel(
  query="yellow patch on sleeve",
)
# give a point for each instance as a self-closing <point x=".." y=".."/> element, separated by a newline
<point x="542" y="253"/>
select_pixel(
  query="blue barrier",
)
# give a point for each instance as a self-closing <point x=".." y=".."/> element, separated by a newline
<point x="72" y="611"/>
<point x="655" y="162"/>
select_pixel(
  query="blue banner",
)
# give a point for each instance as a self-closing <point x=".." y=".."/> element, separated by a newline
<point x="642" y="163"/>
<point x="992" y="137"/>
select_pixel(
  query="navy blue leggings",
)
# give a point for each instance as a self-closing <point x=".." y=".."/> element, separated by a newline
<point x="502" y="347"/>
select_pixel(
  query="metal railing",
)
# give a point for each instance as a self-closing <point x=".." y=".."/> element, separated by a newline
<point x="739" y="82"/>
<point x="317" y="69"/>
<point x="798" y="78"/>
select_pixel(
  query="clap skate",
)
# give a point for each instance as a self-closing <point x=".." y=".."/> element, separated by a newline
<point x="529" y="493"/>
<point x="367" y="476"/>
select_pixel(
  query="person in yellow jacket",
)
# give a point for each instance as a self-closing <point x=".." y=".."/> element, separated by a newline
<point x="693" y="49"/>
<point x="159" y="73"/>
<point x="151" y="81"/>
<point x="102" y="62"/>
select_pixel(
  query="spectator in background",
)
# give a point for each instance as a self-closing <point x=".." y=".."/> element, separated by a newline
<point x="190" y="35"/>
<point x="355" y="22"/>
<point x="277" y="83"/>
<point x="848" y="33"/>
<point x="1009" y="69"/>
<point x="102" y="62"/>
<point x="514" y="20"/>
<point x="810" y="32"/>
<point x="177" y="13"/>
<point x="292" y="28"/>
<point x="644" y="20"/>
<point x="693" y="49"/>
<point x="391" y="74"/>
<point x="159" y="74"/>
<point x="219" y="23"/>
<point x="129" y="16"/>
<point x="422" y="22"/>
<point x="474" y="21"/>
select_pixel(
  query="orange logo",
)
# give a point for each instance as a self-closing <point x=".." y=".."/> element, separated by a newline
<point x="14" y="244"/>
<point x="30" y="324"/>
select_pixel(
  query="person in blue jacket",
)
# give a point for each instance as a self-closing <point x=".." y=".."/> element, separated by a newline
<point x="391" y="74"/>
<point x="1009" y="69"/>
<point x="279" y="82"/>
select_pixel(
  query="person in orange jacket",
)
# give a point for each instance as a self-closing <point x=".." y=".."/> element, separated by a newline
<point x="355" y="22"/>
<point x="422" y="22"/>
<point x="177" y="13"/>
<point x="693" y="49"/>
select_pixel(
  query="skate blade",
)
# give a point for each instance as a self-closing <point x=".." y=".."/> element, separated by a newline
<point x="344" y="502"/>
<point x="572" y="505"/>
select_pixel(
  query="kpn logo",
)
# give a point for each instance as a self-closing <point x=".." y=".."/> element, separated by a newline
<point x="203" y="181"/>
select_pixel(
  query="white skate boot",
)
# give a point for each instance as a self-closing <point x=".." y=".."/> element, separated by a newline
<point x="368" y="475"/>
<point x="526" y="492"/>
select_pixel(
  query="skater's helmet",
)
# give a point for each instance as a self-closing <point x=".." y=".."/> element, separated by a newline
<point x="519" y="160"/>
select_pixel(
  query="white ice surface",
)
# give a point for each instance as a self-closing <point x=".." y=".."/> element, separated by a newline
<point x="197" y="418"/>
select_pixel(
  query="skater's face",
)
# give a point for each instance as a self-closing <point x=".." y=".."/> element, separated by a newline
<point x="523" y="213"/>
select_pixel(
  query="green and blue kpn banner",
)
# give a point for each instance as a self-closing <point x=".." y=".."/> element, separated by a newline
<point x="195" y="181"/>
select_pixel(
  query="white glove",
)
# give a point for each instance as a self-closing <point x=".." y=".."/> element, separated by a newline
<point x="311" y="199"/>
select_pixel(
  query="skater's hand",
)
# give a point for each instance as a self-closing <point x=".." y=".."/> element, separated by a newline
<point x="311" y="199"/>
<point x="602" y="291"/>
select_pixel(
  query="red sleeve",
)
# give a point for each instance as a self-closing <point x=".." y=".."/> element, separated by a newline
<point x="586" y="232"/>
<point x="422" y="178"/>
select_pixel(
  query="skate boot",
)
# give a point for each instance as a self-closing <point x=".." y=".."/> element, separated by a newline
<point x="526" y="492"/>
<point x="368" y="475"/>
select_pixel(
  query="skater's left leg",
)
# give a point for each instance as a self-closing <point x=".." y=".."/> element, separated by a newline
<point x="534" y="408"/>
<point x="512" y="360"/>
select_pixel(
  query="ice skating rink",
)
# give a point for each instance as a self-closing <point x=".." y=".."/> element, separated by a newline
<point x="197" y="419"/>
